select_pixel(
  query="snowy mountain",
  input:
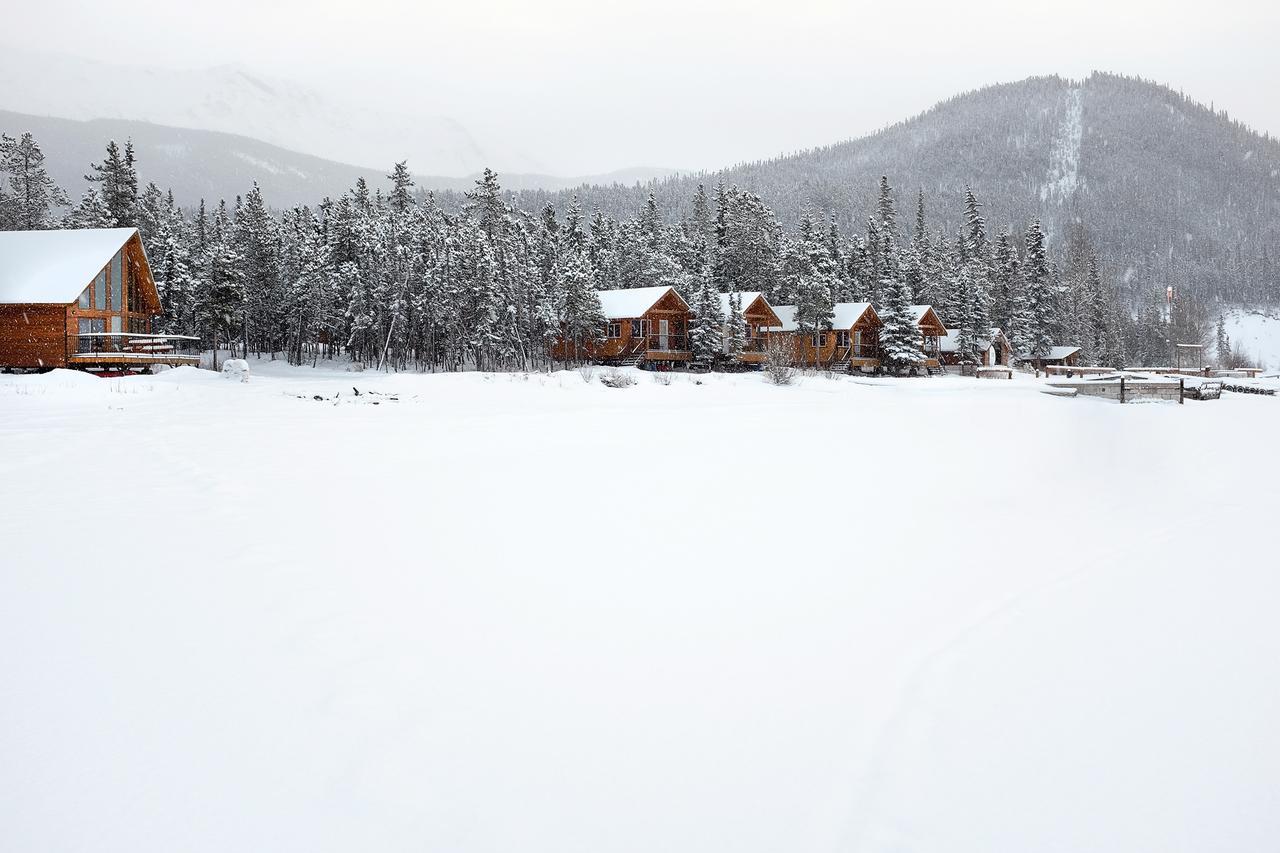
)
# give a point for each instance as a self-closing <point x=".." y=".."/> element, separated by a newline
<point x="232" y="99"/>
<point x="1171" y="191"/>
<point x="198" y="164"/>
<point x="195" y="164"/>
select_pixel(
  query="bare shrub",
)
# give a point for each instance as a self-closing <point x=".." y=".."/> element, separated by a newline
<point x="1240" y="357"/>
<point x="662" y="378"/>
<point x="587" y="372"/>
<point x="617" y="379"/>
<point x="778" y="364"/>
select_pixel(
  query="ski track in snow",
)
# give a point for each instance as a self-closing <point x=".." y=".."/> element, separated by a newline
<point x="1064" y="167"/>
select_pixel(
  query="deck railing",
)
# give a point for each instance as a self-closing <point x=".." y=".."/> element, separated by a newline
<point x="132" y="346"/>
<point x="670" y="342"/>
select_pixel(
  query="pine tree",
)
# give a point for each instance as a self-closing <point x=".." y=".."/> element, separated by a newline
<point x="735" y="329"/>
<point x="813" y="275"/>
<point x="33" y="193"/>
<point x="1041" y="310"/>
<point x="706" y="332"/>
<point x="118" y="178"/>
<point x="224" y="288"/>
<point x="91" y="212"/>
<point x="1223" y="342"/>
<point x="887" y="217"/>
<point x="918" y="260"/>
<point x="401" y="199"/>
<point x="899" y="334"/>
<point x="579" y="314"/>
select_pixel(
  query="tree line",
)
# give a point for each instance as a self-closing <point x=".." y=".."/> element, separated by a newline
<point x="395" y="279"/>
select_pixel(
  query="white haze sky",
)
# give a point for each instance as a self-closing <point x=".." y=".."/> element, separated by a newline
<point x="581" y="86"/>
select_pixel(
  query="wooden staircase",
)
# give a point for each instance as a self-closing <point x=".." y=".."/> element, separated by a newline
<point x="634" y="356"/>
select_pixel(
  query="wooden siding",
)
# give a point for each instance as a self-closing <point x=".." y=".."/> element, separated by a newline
<point x="638" y="336"/>
<point x="33" y="336"/>
<point x="805" y="353"/>
<point x="40" y="336"/>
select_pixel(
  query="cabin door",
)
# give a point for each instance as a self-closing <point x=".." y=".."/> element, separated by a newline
<point x="664" y="330"/>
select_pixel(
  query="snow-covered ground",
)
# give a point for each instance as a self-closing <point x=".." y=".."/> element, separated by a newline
<point x="1258" y="332"/>
<point x="535" y="614"/>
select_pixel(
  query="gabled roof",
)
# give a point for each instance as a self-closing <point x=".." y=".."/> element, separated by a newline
<point x="848" y="313"/>
<point x="746" y="297"/>
<point x="843" y="317"/>
<point x="53" y="267"/>
<point x="1062" y="352"/>
<point x="633" y="302"/>
<point x="787" y="318"/>
<point x="950" y="342"/>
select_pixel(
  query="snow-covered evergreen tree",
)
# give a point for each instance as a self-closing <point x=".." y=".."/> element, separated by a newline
<point x="706" y="330"/>
<point x="118" y="178"/>
<point x="33" y="195"/>
<point x="1040" y="297"/>
<point x="899" y="335"/>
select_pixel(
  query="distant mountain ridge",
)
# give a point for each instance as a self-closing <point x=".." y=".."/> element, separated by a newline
<point x="233" y="99"/>
<point x="1171" y="191"/>
<point x="211" y="165"/>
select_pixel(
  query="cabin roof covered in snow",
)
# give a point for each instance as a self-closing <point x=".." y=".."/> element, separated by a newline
<point x="632" y="302"/>
<point x="787" y="316"/>
<point x="843" y="317"/>
<point x="747" y="297"/>
<point x="848" y="313"/>
<point x="950" y="342"/>
<point x="53" y="267"/>
<point x="1062" y="352"/>
<point x="918" y="311"/>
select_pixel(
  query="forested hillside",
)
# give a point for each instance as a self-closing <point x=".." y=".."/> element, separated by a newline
<point x="1060" y="213"/>
<point x="1170" y="191"/>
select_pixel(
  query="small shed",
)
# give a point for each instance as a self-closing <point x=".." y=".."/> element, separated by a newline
<point x="1058" y="355"/>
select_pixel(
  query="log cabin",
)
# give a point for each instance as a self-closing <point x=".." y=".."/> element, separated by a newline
<point x="931" y="334"/>
<point x="852" y="342"/>
<point x="758" y="316"/>
<point x="993" y="350"/>
<point x="80" y="298"/>
<point x="644" y="326"/>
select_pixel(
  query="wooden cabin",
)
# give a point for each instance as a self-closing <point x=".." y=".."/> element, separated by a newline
<point x="80" y="298"/>
<point x="931" y="334"/>
<point x="852" y="342"/>
<point x="993" y="350"/>
<point x="758" y="317"/>
<point x="643" y="326"/>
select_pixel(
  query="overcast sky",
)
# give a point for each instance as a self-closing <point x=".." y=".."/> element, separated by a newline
<point x="588" y="85"/>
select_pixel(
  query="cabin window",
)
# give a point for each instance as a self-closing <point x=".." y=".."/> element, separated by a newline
<point x="89" y="326"/>
<point x="639" y="328"/>
<point x="117" y="283"/>
<point x="857" y="342"/>
<point x="117" y="324"/>
<point x="614" y="330"/>
<point x="100" y="291"/>
<point x="818" y="338"/>
<point x="842" y="338"/>
<point x="85" y="297"/>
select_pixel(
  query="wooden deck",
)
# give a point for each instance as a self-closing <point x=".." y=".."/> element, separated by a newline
<point x="133" y="359"/>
